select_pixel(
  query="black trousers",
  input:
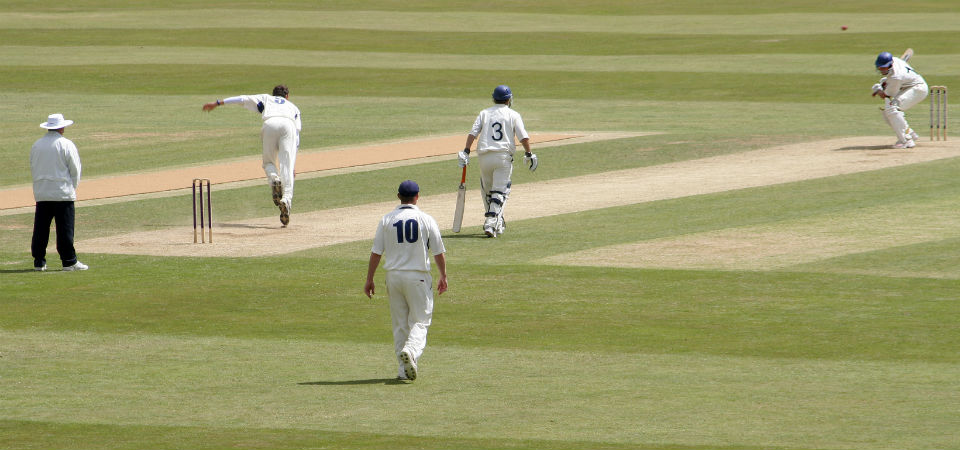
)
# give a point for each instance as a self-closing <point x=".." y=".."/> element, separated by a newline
<point x="63" y="213"/>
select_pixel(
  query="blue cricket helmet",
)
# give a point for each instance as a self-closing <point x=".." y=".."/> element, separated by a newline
<point x="502" y="93"/>
<point x="884" y="59"/>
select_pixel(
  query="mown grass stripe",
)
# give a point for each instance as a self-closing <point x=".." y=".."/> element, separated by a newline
<point x="344" y="387"/>
<point x="745" y="64"/>
<point x="581" y="7"/>
<point x="785" y="24"/>
<point x="466" y="83"/>
<point x="477" y="42"/>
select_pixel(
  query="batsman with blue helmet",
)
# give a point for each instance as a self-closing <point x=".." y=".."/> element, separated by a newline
<point x="496" y="130"/>
<point x="901" y="88"/>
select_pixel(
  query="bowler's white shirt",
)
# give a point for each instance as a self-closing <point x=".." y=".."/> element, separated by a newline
<point x="495" y="129"/>
<point x="55" y="166"/>
<point x="407" y="237"/>
<point x="902" y="77"/>
<point x="273" y="106"/>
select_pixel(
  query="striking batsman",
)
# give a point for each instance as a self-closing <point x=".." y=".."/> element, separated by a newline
<point x="495" y="130"/>
<point x="902" y="88"/>
<point x="281" y="139"/>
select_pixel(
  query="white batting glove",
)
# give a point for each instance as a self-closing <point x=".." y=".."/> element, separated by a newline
<point x="463" y="158"/>
<point x="877" y="88"/>
<point x="530" y="159"/>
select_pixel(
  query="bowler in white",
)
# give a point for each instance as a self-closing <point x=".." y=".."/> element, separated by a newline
<point x="281" y="139"/>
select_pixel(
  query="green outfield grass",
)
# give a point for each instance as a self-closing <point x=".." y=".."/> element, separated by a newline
<point x="853" y="350"/>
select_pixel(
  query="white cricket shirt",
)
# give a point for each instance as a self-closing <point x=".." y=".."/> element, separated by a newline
<point x="407" y="238"/>
<point x="269" y="106"/>
<point x="55" y="166"/>
<point x="902" y="77"/>
<point x="496" y="128"/>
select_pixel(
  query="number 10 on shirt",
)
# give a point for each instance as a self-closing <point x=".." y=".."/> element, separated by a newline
<point x="461" y="199"/>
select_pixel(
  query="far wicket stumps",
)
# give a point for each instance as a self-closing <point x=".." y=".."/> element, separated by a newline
<point x="938" y="103"/>
<point x="198" y="184"/>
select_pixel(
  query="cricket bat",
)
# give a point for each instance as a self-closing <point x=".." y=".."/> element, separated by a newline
<point x="461" y="199"/>
<point x="907" y="54"/>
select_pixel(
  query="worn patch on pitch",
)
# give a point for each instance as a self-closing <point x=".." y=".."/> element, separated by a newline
<point x="782" y="245"/>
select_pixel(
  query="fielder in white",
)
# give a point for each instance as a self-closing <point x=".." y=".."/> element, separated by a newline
<point x="495" y="131"/>
<point x="281" y="139"/>
<point x="405" y="240"/>
<point x="901" y="88"/>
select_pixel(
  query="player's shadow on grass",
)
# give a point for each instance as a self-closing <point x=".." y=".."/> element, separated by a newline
<point x="17" y="270"/>
<point x="865" y="147"/>
<point x="464" y="236"/>
<point x="353" y="382"/>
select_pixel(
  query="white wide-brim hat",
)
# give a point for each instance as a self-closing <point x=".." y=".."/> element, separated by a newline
<point x="56" y="122"/>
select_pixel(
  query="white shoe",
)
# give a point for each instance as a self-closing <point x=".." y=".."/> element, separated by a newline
<point x="908" y="144"/>
<point x="41" y="269"/>
<point x="501" y="227"/>
<point x="913" y="134"/>
<point x="78" y="266"/>
<point x="489" y="231"/>
<point x="409" y="364"/>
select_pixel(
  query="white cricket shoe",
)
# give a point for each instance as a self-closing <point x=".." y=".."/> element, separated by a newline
<point x="913" y="134"/>
<point x="78" y="266"/>
<point x="42" y="268"/>
<point x="908" y="144"/>
<point x="409" y="364"/>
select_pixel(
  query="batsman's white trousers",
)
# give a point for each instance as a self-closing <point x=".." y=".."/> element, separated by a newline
<point x="893" y="110"/>
<point x="279" y="137"/>
<point x="411" y="310"/>
<point x="496" y="169"/>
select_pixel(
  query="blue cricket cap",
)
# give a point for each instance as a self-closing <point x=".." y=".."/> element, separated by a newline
<point x="408" y="189"/>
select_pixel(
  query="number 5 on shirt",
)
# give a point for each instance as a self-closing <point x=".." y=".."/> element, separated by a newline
<point x="461" y="199"/>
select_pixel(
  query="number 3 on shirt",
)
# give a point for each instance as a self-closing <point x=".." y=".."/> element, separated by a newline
<point x="409" y="230"/>
<point x="497" y="131"/>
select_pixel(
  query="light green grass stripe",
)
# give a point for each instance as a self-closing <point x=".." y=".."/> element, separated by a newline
<point x="772" y="24"/>
<point x="764" y="63"/>
<point x="623" y="398"/>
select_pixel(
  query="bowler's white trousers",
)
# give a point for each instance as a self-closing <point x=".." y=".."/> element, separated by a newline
<point x="411" y="310"/>
<point x="279" y="137"/>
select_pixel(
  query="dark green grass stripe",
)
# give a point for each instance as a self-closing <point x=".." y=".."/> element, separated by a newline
<point x="20" y="434"/>
<point x="221" y="80"/>
<point x="475" y="42"/>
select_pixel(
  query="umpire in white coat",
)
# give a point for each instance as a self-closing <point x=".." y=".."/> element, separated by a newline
<point x="55" y="165"/>
<point x="405" y="239"/>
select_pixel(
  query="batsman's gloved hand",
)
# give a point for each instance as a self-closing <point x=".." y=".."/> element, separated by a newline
<point x="463" y="158"/>
<point x="530" y="159"/>
<point x="876" y="89"/>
